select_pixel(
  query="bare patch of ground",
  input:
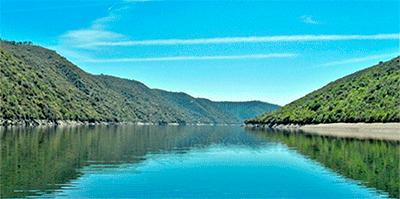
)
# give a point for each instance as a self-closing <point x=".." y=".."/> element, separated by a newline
<point x="382" y="131"/>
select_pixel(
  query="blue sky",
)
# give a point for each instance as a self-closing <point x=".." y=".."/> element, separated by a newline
<point x="274" y="51"/>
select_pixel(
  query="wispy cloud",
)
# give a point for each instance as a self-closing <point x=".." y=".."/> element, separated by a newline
<point x="251" y="39"/>
<point x="77" y="37"/>
<point x="97" y="31"/>
<point x="193" y="58"/>
<point x="307" y="19"/>
<point x="362" y="59"/>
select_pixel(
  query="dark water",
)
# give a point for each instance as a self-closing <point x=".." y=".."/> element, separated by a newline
<point x="204" y="162"/>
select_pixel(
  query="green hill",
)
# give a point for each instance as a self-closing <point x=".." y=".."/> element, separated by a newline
<point x="38" y="84"/>
<point x="369" y="95"/>
<point x="227" y="111"/>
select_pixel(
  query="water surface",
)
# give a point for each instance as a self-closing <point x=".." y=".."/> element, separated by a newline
<point x="152" y="161"/>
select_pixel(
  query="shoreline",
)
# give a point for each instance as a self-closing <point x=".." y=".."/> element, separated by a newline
<point x="73" y="123"/>
<point x="376" y="131"/>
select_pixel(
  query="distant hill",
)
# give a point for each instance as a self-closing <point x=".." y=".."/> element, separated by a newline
<point x="38" y="84"/>
<point x="369" y="95"/>
<point x="227" y="111"/>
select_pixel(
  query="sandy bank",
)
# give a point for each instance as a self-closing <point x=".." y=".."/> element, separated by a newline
<point x="384" y="131"/>
<point x="380" y="131"/>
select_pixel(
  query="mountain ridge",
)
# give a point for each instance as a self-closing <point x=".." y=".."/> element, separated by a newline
<point x="40" y="85"/>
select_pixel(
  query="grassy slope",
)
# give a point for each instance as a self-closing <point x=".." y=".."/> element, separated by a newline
<point x="37" y="83"/>
<point x="369" y="95"/>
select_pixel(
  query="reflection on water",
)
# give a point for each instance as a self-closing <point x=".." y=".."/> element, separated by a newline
<point x="374" y="163"/>
<point x="151" y="161"/>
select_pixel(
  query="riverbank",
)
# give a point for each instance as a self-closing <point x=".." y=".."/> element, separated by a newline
<point x="45" y="123"/>
<point x="71" y="123"/>
<point x="380" y="131"/>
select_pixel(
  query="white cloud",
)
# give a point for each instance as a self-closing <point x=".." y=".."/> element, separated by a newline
<point x="307" y="19"/>
<point x="193" y="58"/>
<point x="96" y="32"/>
<point x="251" y="39"/>
<point x="101" y="23"/>
<point x="81" y="37"/>
<point x="362" y="59"/>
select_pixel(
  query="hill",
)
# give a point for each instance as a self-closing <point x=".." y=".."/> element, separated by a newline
<point x="37" y="84"/>
<point x="228" y="111"/>
<point x="369" y="95"/>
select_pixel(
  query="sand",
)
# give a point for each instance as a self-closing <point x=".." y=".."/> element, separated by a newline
<point x="381" y="131"/>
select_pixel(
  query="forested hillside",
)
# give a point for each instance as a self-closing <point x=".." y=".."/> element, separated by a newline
<point x="227" y="111"/>
<point x="39" y="84"/>
<point x="369" y="95"/>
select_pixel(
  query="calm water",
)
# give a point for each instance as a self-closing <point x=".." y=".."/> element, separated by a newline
<point x="129" y="161"/>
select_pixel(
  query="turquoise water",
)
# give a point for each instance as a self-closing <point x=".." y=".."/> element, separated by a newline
<point x="183" y="162"/>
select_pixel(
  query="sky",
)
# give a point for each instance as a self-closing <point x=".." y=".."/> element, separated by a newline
<point x="273" y="51"/>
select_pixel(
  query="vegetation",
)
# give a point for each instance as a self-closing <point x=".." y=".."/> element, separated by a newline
<point x="216" y="111"/>
<point x="370" y="95"/>
<point x="38" y="84"/>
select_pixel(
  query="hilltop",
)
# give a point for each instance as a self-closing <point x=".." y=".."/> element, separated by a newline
<point x="370" y="95"/>
<point x="37" y="84"/>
